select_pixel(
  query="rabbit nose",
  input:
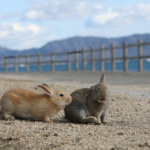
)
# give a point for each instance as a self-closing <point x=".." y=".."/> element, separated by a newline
<point x="105" y="97"/>
<point x="69" y="99"/>
<point x="101" y="97"/>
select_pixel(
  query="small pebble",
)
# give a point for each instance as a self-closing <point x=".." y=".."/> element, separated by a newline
<point x="56" y="134"/>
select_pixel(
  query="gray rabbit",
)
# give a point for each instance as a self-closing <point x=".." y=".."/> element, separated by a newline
<point x="89" y="105"/>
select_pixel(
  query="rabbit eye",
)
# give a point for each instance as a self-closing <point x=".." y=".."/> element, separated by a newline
<point x="61" y="95"/>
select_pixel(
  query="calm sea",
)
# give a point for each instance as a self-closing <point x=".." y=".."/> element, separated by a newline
<point x="132" y="66"/>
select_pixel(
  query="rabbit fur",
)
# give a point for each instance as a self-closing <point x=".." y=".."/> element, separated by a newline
<point x="89" y="105"/>
<point x="30" y="105"/>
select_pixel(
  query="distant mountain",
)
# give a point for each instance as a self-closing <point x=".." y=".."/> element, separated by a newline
<point x="80" y="42"/>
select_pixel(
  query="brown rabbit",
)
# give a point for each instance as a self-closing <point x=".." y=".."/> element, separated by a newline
<point x="89" y="105"/>
<point x="29" y="105"/>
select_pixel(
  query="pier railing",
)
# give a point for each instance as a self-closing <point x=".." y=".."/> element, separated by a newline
<point x="4" y="61"/>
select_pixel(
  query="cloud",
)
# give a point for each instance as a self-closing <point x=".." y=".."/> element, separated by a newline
<point x="144" y="11"/>
<point x="12" y="34"/>
<point x="103" y="18"/>
<point x="35" y="15"/>
<point x="58" y="9"/>
<point x="90" y="10"/>
<point x="117" y="17"/>
<point x="96" y="15"/>
<point x="1" y="17"/>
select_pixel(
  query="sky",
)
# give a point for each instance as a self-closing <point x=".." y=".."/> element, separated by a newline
<point x="26" y="24"/>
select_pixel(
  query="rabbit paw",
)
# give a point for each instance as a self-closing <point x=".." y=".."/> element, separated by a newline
<point x="10" y="118"/>
<point x="98" y="123"/>
<point x="50" y="121"/>
<point x="105" y="122"/>
<point x="91" y="119"/>
<point x="46" y="119"/>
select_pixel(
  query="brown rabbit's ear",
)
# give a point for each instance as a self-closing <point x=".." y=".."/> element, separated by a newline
<point x="44" y="84"/>
<point x="47" y="86"/>
<point x="92" y="88"/>
<point x="102" y="79"/>
<point x="48" y="90"/>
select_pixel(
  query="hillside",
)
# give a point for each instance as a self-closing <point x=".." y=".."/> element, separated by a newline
<point x="80" y="42"/>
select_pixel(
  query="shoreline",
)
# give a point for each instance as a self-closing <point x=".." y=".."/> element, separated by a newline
<point x="138" y="87"/>
<point x="113" y="78"/>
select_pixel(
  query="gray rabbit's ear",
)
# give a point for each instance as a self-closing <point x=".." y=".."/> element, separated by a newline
<point x="102" y="79"/>
<point x="92" y="88"/>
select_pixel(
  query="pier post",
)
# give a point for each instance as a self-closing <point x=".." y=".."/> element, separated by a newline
<point x="5" y="63"/>
<point x="101" y="58"/>
<point x="16" y="63"/>
<point x="83" y="59"/>
<point x="68" y="59"/>
<point x="76" y="60"/>
<point x="92" y="59"/>
<point x="52" y="61"/>
<point x="125" y="62"/>
<point x="27" y="62"/>
<point x="112" y="58"/>
<point x="39" y="62"/>
<point x="140" y="62"/>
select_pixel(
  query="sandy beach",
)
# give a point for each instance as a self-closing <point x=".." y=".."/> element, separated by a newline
<point x="128" y="125"/>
